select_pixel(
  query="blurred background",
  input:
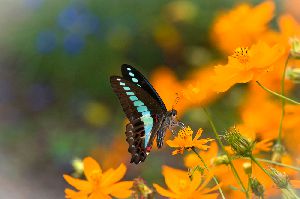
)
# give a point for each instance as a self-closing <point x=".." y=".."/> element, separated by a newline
<point x="56" y="103"/>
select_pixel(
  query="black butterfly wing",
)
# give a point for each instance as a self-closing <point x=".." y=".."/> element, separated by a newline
<point x="133" y="75"/>
<point x="142" y="111"/>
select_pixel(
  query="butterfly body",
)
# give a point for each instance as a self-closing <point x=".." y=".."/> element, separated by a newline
<point x="147" y="113"/>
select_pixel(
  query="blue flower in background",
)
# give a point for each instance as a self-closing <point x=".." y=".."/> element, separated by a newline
<point x="73" y="43"/>
<point x="77" y="19"/>
<point x="46" y="42"/>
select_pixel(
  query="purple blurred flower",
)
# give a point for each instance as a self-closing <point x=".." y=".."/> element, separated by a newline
<point x="39" y="97"/>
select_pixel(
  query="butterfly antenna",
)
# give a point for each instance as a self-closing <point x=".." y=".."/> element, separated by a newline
<point x="176" y="101"/>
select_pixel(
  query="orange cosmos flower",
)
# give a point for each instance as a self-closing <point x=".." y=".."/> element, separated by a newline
<point x="197" y="88"/>
<point x="165" y="82"/>
<point x="99" y="184"/>
<point x="181" y="187"/>
<point x="191" y="160"/>
<point x="184" y="140"/>
<point x="264" y="145"/>
<point x="295" y="184"/>
<point x="246" y="65"/>
<point x="242" y="26"/>
<point x="255" y="114"/>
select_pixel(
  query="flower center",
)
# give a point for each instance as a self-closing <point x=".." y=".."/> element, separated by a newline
<point x="241" y="54"/>
<point x="96" y="177"/>
<point x="185" y="133"/>
<point x="182" y="184"/>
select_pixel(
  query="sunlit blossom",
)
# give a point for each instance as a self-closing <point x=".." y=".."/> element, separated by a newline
<point x="184" y="140"/>
<point x="246" y="65"/>
<point x="191" y="160"/>
<point x="181" y="187"/>
<point x="242" y="26"/>
<point x="99" y="184"/>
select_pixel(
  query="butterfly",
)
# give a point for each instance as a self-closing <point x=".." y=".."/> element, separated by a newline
<point x="147" y="114"/>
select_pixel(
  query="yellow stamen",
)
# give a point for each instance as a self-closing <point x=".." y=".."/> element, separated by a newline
<point x="241" y="54"/>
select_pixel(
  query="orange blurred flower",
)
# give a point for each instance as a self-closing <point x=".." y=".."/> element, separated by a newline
<point x="166" y="84"/>
<point x="295" y="184"/>
<point x="289" y="27"/>
<point x="99" y="184"/>
<point x="181" y="187"/>
<point x="263" y="145"/>
<point x="246" y="65"/>
<point x="191" y="160"/>
<point x="242" y="26"/>
<point x="291" y="129"/>
<point x="184" y="141"/>
<point x="255" y="114"/>
<point x="108" y="159"/>
<point x="197" y="89"/>
<point x="193" y="91"/>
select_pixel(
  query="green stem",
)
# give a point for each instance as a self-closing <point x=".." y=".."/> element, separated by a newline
<point x="291" y="193"/>
<point x="206" y="167"/>
<point x="288" y="191"/>
<point x="282" y="102"/>
<point x="278" y="95"/>
<point x="259" y="165"/>
<point x="235" y="173"/>
<point x="277" y="163"/>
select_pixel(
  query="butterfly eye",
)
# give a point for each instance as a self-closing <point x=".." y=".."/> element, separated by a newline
<point x="174" y="113"/>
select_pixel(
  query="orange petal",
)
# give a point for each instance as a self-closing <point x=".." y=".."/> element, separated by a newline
<point x="121" y="189"/>
<point x="211" y="153"/>
<point x="208" y="178"/>
<point x="295" y="184"/>
<point x="90" y="167"/>
<point x="74" y="194"/>
<point x="198" y="134"/>
<point x="191" y="160"/>
<point x="195" y="182"/>
<point x="164" y="192"/>
<point x="197" y="195"/>
<point x="172" y="143"/>
<point x="81" y="185"/>
<point x="98" y="194"/>
<point x="177" y="151"/>
<point x="173" y="177"/>
<point x="115" y="176"/>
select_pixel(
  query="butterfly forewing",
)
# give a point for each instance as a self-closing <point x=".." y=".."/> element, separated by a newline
<point x="144" y="109"/>
<point x="137" y="104"/>
<point x="131" y="74"/>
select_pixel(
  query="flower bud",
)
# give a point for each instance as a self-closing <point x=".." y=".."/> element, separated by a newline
<point x="256" y="187"/>
<point x="295" y="47"/>
<point x="280" y="179"/>
<point x="78" y="167"/>
<point x="247" y="166"/>
<point x="278" y="151"/>
<point x="293" y="74"/>
<point x="239" y="144"/>
<point x="219" y="160"/>
<point x="141" y="190"/>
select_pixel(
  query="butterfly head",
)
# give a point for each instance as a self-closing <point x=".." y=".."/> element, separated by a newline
<point x="173" y="120"/>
